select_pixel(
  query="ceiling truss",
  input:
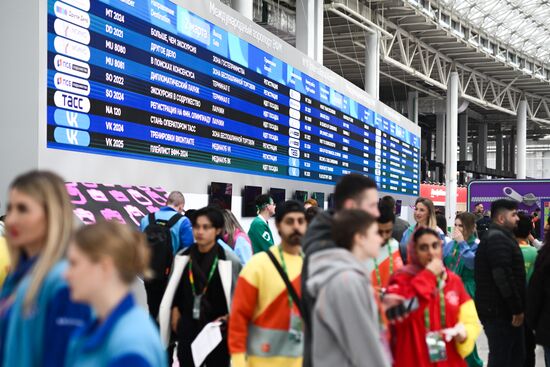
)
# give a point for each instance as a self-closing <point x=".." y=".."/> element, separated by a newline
<point x="425" y="57"/>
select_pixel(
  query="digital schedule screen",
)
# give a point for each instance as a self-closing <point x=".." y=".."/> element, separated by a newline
<point x="150" y="79"/>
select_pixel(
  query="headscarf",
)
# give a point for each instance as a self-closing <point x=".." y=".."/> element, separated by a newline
<point x="414" y="266"/>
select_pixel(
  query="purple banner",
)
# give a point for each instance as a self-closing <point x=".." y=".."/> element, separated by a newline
<point x="528" y="193"/>
<point x="123" y="203"/>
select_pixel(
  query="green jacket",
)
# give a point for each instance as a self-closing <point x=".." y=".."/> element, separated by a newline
<point x="459" y="258"/>
<point x="260" y="235"/>
<point x="529" y="256"/>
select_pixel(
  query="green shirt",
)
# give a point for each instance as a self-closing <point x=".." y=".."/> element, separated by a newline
<point x="260" y="235"/>
<point x="529" y="257"/>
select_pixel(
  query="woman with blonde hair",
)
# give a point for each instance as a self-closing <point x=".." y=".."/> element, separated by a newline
<point x="235" y="236"/>
<point x="104" y="260"/>
<point x="36" y="314"/>
<point x="425" y="216"/>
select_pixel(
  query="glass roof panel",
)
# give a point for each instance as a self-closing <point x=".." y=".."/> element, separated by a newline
<point x="522" y="24"/>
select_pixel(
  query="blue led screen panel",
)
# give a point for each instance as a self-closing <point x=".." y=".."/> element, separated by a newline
<point x="154" y="80"/>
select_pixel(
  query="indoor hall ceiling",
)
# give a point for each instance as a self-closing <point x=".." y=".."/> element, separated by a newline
<point x="419" y="50"/>
<point x="522" y="24"/>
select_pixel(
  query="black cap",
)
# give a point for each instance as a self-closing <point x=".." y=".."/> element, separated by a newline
<point x="286" y="207"/>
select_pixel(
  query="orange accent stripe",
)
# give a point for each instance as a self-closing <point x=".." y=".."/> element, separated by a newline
<point x="277" y="314"/>
<point x="242" y="311"/>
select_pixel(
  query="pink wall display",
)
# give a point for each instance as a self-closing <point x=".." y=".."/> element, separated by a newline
<point x="123" y="203"/>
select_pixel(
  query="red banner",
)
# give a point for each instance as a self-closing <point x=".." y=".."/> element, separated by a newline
<point x="438" y="193"/>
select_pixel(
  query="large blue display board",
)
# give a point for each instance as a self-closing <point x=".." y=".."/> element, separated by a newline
<point x="149" y="79"/>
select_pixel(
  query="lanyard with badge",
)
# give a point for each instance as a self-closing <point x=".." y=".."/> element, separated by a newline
<point x="197" y="298"/>
<point x="455" y="262"/>
<point x="377" y="270"/>
<point x="296" y="328"/>
<point x="437" y="348"/>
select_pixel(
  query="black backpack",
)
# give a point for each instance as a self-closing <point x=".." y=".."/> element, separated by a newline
<point x="160" y="243"/>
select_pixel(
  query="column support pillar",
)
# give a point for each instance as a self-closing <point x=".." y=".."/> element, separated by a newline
<point x="499" y="145"/>
<point x="309" y="28"/>
<point x="452" y="139"/>
<point x="412" y="106"/>
<point x="372" y="64"/>
<point x="522" y="140"/>
<point x="245" y="7"/>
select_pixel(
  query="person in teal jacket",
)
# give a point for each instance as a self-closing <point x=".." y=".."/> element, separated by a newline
<point x="459" y="257"/>
<point x="36" y="315"/>
<point x="105" y="258"/>
<point x="259" y="232"/>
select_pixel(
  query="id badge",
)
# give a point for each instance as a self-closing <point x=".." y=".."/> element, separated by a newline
<point x="295" y="330"/>
<point x="197" y="307"/>
<point x="436" y="347"/>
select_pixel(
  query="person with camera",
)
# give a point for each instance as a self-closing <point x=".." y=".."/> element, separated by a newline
<point x="438" y="322"/>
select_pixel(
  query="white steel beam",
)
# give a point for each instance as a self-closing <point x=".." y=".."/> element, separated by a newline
<point x="452" y="138"/>
<point x="522" y="140"/>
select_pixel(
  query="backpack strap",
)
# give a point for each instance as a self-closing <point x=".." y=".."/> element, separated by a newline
<point x="175" y="218"/>
<point x="152" y="218"/>
<point x="288" y="284"/>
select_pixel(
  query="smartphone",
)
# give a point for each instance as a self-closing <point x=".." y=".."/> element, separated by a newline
<point x="402" y="310"/>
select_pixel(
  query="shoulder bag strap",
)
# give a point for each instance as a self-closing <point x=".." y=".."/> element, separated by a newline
<point x="288" y="284"/>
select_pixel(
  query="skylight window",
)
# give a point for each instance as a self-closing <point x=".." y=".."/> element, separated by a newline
<point x="521" y="25"/>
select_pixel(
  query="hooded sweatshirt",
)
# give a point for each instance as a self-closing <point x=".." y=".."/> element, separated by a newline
<point x="317" y="238"/>
<point x="344" y="321"/>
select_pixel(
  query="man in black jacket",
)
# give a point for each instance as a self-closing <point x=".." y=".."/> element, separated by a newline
<point x="500" y="287"/>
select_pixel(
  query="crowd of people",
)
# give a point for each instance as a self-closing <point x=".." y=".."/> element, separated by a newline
<point x="352" y="286"/>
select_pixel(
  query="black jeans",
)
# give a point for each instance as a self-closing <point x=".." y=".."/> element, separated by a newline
<point x="506" y="343"/>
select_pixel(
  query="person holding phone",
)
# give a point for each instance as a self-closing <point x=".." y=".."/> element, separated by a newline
<point x="444" y="326"/>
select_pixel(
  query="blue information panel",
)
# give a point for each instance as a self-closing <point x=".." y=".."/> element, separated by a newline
<point x="149" y="79"/>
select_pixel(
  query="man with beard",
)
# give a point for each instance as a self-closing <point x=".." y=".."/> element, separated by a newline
<point x="265" y="324"/>
<point x="500" y="287"/>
